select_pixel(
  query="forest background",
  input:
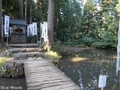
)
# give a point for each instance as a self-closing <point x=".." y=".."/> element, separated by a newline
<point x="75" y="23"/>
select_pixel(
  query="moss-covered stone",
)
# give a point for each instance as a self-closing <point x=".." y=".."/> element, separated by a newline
<point x="12" y="70"/>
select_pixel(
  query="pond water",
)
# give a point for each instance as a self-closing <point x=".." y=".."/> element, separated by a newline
<point x="84" y="68"/>
<point x="13" y="84"/>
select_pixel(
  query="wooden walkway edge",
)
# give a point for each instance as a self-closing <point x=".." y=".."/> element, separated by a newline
<point x="43" y="75"/>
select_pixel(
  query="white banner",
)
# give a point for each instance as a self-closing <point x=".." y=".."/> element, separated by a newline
<point x="6" y="25"/>
<point x="35" y="28"/>
<point x="44" y="34"/>
<point x="118" y="54"/>
<point x="30" y="30"/>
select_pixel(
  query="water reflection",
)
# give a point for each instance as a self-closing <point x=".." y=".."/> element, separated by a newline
<point x="84" y="68"/>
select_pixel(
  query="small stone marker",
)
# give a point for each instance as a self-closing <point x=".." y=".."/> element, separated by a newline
<point x="102" y="81"/>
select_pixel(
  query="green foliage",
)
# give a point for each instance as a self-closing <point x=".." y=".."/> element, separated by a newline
<point x="72" y="25"/>
<point x="88" y="40"/>
<point x="100" y="44"/>
<point x="93" y="28"/>
<point x="67" y="16"/>
<point x="2" y="60"/>
<point x="11" y="8"/>
<point x="89" y="6"/>
<point x="52" y="55"/>
<point x="40" y="11"/>
<point x="57" y="46"/>
<point x="118" y="6"/>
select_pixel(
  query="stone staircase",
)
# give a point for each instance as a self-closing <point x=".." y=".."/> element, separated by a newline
<point x="23" y="45"/>
<point x="18" y="55"/>
<point x="19" y="51"/>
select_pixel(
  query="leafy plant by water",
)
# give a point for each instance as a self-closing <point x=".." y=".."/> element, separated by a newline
<point x="52" y="55"/>
<point x="2" y="61"/>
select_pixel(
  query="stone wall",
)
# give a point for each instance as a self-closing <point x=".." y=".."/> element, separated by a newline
<point x="18" y="38"/>
<point x="12" y="70"/>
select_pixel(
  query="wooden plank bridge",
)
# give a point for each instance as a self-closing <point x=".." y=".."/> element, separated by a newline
<point x="40" y="73"/>
<point x="43" y="75"/>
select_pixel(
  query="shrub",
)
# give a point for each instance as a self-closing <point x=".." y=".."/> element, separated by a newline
<point x="52" y="55"/>
<point x="100" y="44"/>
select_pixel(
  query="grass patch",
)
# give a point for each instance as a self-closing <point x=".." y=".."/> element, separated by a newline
<point x="2" y="60"/>
<point x="52" y="55"/>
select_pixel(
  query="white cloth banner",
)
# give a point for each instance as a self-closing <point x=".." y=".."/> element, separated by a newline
<point x="44" y="34"/>
<point x="6" y="25"/>
<point x="35" y="28"/>
<point x="102" y="81"/>
<point x="30" y="30"/>
<point x="118" y="54"/>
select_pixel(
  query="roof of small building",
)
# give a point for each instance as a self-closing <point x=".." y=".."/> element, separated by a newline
<point x="18" y="22"/>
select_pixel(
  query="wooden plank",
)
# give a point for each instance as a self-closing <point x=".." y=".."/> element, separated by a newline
<point x="43" y="75"/>
<point x="60" y="87"/>
<point x="48" y="80"/>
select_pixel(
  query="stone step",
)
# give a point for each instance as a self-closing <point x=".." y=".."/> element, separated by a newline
<point x="23" y="45"/>
<point x="27" y="54"/>
<point x="16" y="50"/>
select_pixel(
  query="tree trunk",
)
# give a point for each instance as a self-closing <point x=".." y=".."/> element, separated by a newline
<point x="30" y="14"/>
<point x="0" y="21"/>
<point x="21" y="8"/>
<point x="50" y="20"/>
<point x="25" y="9"/>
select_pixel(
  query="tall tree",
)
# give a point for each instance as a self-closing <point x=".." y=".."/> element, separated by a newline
<point x="0" y="21"/>
<point x="25" y="9"/>
<point x="21" y="8"/>
<point x="50" y="20"/>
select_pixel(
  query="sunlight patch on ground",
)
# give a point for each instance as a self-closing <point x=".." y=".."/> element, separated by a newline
<point x="52" y="55"/>
<point x="2" y="60"/>
<point x="77" y="59"/>
<point x="114" y="57"/>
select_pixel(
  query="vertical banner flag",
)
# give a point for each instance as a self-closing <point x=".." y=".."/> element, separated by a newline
<point x="30" y="30"/>
<point x="44" y="28"/>
<point x="6" y="25"/>
<point x="35" y="28"/>
<point x="118" y="54"/>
